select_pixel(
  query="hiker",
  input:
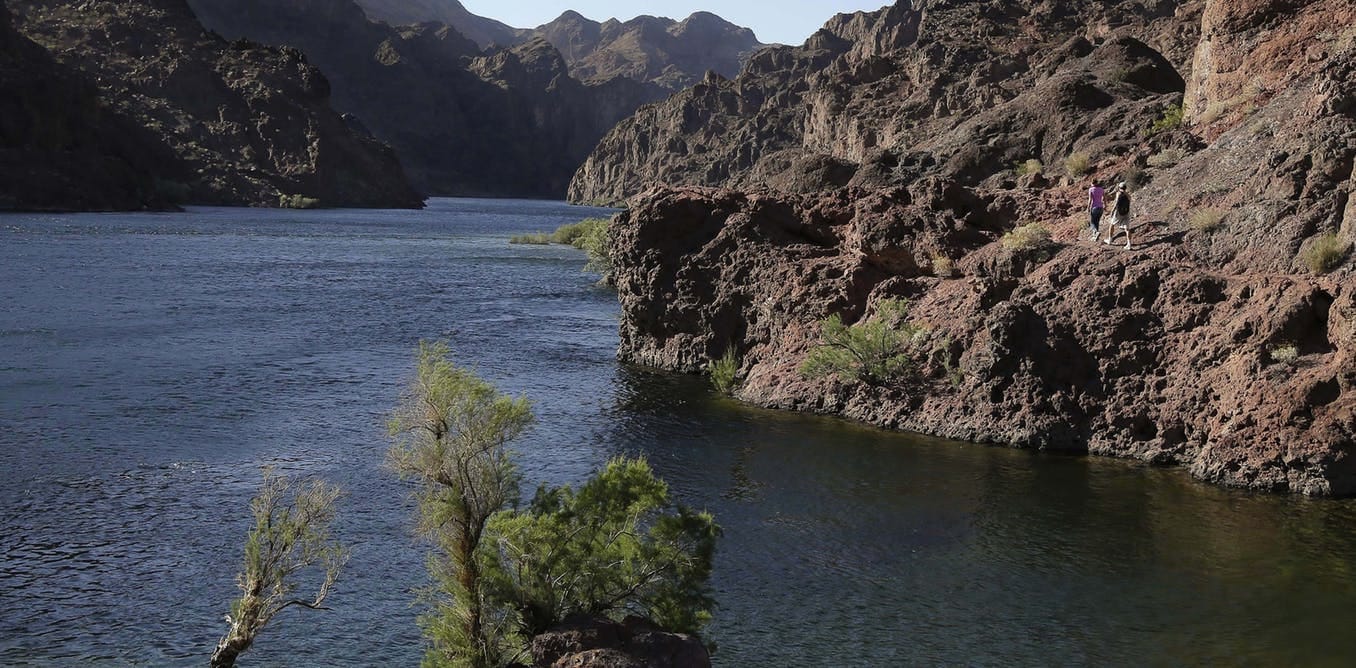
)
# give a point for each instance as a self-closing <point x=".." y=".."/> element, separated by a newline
<point x="1096" y="205"/>
<point x="1120" y="215"/>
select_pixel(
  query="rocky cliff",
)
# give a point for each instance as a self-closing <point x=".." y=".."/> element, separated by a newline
<point x="869" y="88"/>
<point x="671" y="54"/>
<point x="60" y="148"/>
<point x="507" y="123"/>
<point x="1222" y="342"/>
<point x="216" y="122"/>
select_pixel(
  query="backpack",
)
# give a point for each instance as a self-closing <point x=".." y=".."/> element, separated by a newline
<point x="1123" y="203"/>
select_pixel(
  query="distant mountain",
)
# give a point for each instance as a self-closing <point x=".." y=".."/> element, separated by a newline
<point x="134" y="104"/>
<point x="672" y="54"/>
<point x="483" y="31"/>
<point x="502" y="123"/>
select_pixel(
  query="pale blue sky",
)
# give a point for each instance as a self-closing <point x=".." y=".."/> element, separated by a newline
<point x="784" y="21"/>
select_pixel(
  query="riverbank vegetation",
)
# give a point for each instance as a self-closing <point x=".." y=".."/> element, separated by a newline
<point x="875" y="350"/>
<point x="291" y="536"/>
<point x="503" y="574"/>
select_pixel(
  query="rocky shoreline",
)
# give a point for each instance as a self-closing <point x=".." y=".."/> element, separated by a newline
<point x="1211" y="345"/>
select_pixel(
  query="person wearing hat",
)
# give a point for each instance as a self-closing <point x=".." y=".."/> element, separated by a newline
<point x="1120" y="215"/>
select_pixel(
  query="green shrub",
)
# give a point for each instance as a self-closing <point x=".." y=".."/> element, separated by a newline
<point x="1207" y="220"/>
<point x="297" y="202"/>
<point x="1171" y="120"/>
<point x="1031" y="235"/>
<point x="724" y="373"/>
<point x="1284" y="353"/>
<point x="536" y="239"/>
<point x="1078" y="164"/>
<point x="1032" y="166"/>
<point x="596" y="241"/>
<point x="1325" y="253"/>
<point x="876" y="350"/>
<point x="616" y="546"/>
<point x="572" y="232"/>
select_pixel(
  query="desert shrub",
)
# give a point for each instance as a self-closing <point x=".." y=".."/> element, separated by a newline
<point x="1207" y="219"/>
<point x="1031" y="235"/>
<point x="943" y="267"/>
<point x="536" y="239"/>
<point x="724" y="372"/>
<point x="618" y="545"/>
<point x="1078" y="164"/>
<point x="297" y="202"/>
<point x="1166" y="158"/>
<point x="876" y="350"/>
<point x="1325" y="253"/>
<point x="1284" y="353"/>
<point x="1133" y="177"/>
<point x="1169" y="121"/>
<point x="1032" y="166"/>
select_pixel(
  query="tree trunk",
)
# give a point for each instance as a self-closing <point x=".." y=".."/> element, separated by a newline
<point x="228" y="650"/>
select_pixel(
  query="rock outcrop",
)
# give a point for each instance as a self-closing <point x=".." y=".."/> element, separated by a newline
<point x="506" y="123"/>
<point x="60" y="148"/>
<point x="218" y="122"/>
<point x="587" y="642"/>
<point x="869" y="88"/>
<point x="1213" y="344"/>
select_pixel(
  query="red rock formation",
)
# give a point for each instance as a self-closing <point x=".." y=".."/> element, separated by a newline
<point x="1211" y="347"/>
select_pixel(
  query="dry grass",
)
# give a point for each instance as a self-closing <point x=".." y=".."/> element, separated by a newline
<point x="1078" y="164"/>
<point x="1207" y="219"/>
<point x="1031" y="235"/>
<point x="1032" y="166"/>
<point x="943" y="267"/>
<point x="1325" y="253"/>
<point x="1166" y="158"/>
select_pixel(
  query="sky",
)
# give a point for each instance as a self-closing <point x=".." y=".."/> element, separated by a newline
<point x="774" y="21"/>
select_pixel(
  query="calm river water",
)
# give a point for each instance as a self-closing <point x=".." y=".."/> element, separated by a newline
<point x="150" y="364"/>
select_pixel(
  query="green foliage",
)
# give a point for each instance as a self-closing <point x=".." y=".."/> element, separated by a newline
<point x="618" y="545"/>
<point x="875" y="350"/>
<point x="1032" y="166"/>
<point x="535" y="239"/>
<point x="450" y="434"/>
<point x="1284" y="353"/>
<point x="1031" y="235"/>
<point x="724" y="372"/>
<point x="297" y="202"/>
<point x="1323" y="254"/>
<point x="291" y="535"/>
<point x="1207" y="219"/>
<point x="1078" y="164"/>
<point x="1172" y="119"/>
<point x="570" y="233"/>
<point x="594" y="237"/>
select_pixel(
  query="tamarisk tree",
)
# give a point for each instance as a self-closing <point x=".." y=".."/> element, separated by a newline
<point x="291" y="535"/>
<point x="450" y="433"/>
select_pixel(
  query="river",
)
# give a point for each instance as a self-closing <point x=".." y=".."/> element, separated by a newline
<point x="151" y="364"/>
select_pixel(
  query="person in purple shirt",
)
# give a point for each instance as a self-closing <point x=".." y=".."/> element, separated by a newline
<point x="1096" y="206"/>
